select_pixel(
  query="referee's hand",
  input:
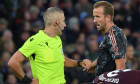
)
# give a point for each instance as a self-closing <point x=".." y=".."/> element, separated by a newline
<point x="35" y="81"/>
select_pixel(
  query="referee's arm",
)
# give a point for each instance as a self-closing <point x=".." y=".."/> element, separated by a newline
<point x="15" y="64"/>
<point x="69" y="63"/>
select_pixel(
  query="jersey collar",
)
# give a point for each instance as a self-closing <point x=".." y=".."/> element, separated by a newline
<point x="111" y="28"/>
<point x="45" y="35"/>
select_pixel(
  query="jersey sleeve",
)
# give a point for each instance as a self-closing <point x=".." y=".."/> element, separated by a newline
<point x="29" y="47"/>
<point x="118" y="44"/>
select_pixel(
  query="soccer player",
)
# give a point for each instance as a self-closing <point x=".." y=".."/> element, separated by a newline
<point x="111" y="54"/>
<point x="45" y="53"/>
<point x="125" y="76"/>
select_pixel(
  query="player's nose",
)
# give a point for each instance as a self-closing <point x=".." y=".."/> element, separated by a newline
<point x="65" y="25"/>
<point x="94" y="21"/>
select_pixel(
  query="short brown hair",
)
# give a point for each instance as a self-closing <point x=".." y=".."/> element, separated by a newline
<point x="108" y="8"/>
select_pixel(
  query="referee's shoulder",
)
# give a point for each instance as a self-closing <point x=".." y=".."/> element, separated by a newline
<point x="35" y="38"/>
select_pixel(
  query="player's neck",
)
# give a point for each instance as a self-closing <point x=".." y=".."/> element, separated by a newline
<point x="129" y="60"/>
<point x="50" y="32"/>
<point x="108" y="26"/>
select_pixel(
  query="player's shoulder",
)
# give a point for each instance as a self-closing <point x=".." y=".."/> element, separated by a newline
<point x="115" y="31"/>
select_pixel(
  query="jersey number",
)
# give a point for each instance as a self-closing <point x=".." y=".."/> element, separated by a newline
<point x="115" y="73"/>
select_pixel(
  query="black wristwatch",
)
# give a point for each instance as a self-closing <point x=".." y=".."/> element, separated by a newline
<point x="78" y="63"/>
<point x="26" y="80"/>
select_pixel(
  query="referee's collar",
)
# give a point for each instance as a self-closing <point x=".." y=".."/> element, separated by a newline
<point x="44" y="34"/>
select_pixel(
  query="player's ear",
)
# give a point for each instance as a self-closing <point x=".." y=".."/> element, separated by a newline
<point x="108" y="18"/>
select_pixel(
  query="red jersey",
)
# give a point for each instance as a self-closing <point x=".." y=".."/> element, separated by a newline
<point x="125" y="76"/>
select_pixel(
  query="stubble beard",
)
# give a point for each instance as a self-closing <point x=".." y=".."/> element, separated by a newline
<point x="102" y="28"/>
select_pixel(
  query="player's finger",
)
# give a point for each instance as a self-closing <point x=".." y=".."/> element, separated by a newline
<point x="85" y="69"/>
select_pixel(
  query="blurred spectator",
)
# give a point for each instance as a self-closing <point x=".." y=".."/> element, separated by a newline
<point x="36" y="26"/>
<point x="92" y="50"/>
<point x="136" y="20"/>
<point x="75" y="81"/>
<point x="89" y="25"/>
<point x="10" y="47"/>
<point x="80" y="48"/>
<point x="7" y="36"/>
<point x="40" y="5"/>
<point x="127" y="12"/>
<point x="28" y="71"/>
<point x="130" y="38"/>
<point x="84" y="6"/>
<point x="54" y="3"/>
<point x="3" y="25"/>
<point x="138" y="49"/>
<point x="76" y="75"/>
<point x="1" y="79"/>
<point x="92" y="36"/>
<point x="36" y="21"/>
<point x="69" y="11"/>
<point x="130" y="64"/>
<point x="11" y="79"/>
<point x="27" y="16"/>
<point x="24" y="35"/>
<point x="3" y="65"/>
<point x="72" y="31"/>
<point x="27" y="26"/>
<point x="70" y="48"/>
<point x="34" y="11"/>
<point x="81" y="38"/>
<point x="14" y="9"/>
<point x="138" y="54"/>
<point x="6" y="56"/>
<point x="75" y="56"/>
<point x="118" y="14"/>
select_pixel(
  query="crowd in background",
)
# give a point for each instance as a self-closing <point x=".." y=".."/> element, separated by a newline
<point x="20" y="19"/>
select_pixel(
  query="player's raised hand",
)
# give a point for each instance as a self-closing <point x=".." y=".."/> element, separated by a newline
<point x="35" y="81"/>
<point x="86" y="64"/>
<point x="91" y="70"/>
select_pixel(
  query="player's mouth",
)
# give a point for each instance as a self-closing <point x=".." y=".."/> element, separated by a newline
<point x="97" y="25"/>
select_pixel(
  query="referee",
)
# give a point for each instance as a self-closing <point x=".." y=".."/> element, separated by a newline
<point x="111" y="54"/>
<point x="45" y="53"/>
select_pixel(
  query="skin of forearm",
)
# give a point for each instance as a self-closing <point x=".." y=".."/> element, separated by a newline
<point x="120" y="63"/>
<point x="94" y="63"/>
<point x="17" y="69"/>
<point x="120" y="67"/>
<point x="69" y="63"/>
<point x="15" y="64"/>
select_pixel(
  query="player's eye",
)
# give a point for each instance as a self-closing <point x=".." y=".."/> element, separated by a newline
<point x="97" y="16"/>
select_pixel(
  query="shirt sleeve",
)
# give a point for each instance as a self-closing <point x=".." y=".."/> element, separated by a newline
<point x="118" y="45"/>
<point x="29" y="47"/>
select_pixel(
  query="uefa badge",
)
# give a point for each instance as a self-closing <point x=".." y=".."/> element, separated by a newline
<point x="62" y="53"/>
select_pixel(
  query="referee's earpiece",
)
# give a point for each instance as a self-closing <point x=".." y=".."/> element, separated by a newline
<point x="58" y="25"/>
<point x="55" y="22"/>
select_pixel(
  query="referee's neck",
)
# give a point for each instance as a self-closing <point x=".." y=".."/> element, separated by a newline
<point x="50" y="32"/>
